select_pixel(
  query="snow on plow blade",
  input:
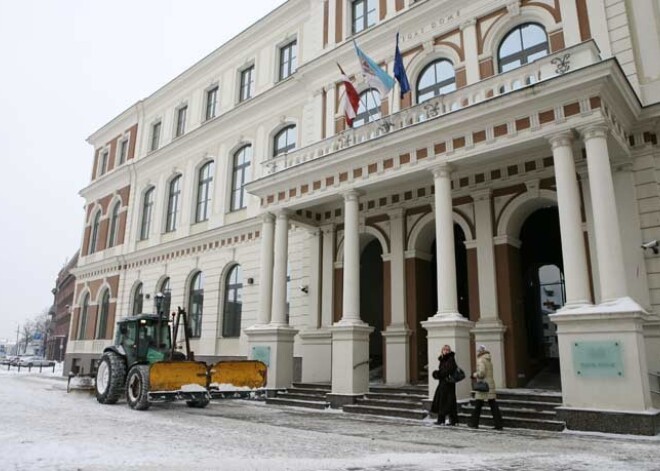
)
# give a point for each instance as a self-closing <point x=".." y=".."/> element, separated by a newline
<point x="175" y="376"/>
<point x="245" y="374"/>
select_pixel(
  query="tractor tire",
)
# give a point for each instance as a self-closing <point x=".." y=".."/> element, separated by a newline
<point x="110" y="378"/>
<point x="200" y="403"/>
<point x="137" y="387"/>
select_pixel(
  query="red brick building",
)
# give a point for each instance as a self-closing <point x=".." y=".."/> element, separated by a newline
<point x="60" y="312"/>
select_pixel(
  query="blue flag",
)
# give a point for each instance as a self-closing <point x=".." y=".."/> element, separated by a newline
<point x="400" y="70"/>
<point x="375" y="76"/>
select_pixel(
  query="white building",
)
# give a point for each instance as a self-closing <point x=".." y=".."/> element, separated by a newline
<point x="529" y="140"/>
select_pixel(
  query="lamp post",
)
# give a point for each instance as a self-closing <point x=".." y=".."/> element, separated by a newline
<point x="159" y="310"/>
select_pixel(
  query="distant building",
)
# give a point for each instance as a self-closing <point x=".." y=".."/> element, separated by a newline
<point x="60" y="312"/>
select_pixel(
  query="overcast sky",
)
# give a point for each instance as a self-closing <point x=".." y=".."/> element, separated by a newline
<point x="66" y="68"/>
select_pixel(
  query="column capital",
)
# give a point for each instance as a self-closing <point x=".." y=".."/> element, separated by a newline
<point x="442" y="170"/>
<point x="397" y="213"/>
<point x="351" y="195"/>
<point x="468" y="23"/>
<point x="328" y="228"/>
<point x="561" y="139"/>
<point x="481" y="195"/>
<point x="283" y="214"/>
<point x="593" y="131"/>
<point x="267" y="218"/>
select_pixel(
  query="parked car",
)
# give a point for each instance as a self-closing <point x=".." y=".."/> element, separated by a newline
<point x="35" y="361"/>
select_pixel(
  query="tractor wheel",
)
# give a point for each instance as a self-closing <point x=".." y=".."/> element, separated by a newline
<point x="110" y="378"/>
<point x="137" y="387"/>
<point x="199" y="403"/>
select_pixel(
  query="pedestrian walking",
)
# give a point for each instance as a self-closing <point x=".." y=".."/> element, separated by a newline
<point x="484" y="374"/>
<point x="444" y="400"/>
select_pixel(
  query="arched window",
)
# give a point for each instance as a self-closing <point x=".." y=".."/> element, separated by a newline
<point x="522" y="45"/>
<point x="242" y="160"/>
<point x="84" y="311"/>
<point x="196" y="304"/>
<point x="138" y="298"/>
<point x="437" y="78"/>
<point x="231" y="320"/>
<point x="94" y="239"/>
<point x="369" y="109"/>
<point x="167" y="295"/>
<point x="284" y="141"/>
<point x="104" y="308"/>
<point x="147" y="210"/>
<point x="173" y="204"/>
<point x="114" y="225"/>
<point x="204" y="192"/>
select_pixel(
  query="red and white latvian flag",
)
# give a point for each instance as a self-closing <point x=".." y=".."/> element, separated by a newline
<point x="351" y="100"/>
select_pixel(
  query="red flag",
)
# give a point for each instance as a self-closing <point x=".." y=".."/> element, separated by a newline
<point x="350" y="100"/>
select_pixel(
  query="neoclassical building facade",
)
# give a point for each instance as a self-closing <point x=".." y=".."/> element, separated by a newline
<point x="510" y="199"/>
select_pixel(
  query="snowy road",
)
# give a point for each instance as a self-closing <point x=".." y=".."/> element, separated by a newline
<point x="41" y="427"/>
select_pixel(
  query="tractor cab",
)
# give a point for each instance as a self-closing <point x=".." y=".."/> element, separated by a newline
<point x="145" y="338"/>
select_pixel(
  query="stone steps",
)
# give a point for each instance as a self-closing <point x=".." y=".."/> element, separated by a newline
<point x="515" y="422"/>
<point x="369" y="402"/>
<point x="284" y="401"/>
<point x="387" y="411"/>
<point x="509" y="412"/>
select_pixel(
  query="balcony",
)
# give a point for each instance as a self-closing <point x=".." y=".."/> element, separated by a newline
<point x="551" y="66"/>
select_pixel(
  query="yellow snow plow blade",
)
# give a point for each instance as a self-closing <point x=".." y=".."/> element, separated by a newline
<point x="240" y="373"/>
<point x="174" y="375"/>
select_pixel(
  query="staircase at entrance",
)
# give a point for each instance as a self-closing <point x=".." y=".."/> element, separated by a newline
<point x="521" y="408"/>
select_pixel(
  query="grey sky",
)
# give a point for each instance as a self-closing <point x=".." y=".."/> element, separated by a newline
<point x="66" y="68"/>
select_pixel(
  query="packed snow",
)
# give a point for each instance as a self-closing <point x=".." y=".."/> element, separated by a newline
<point x="43" y="427"/>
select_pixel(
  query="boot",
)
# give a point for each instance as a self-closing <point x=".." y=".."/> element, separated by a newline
<point x="497" y="415"/>
<point x="476" y="414"/>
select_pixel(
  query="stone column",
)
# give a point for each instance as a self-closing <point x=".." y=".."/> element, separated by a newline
<point x="327" y="275"/>
<point x="315" y="341"/>
<point x="489" y="330"/>
<point x="350" y="336"/>
<point x="448" y="326"/>
<point x="273" y="343"/>
<point x="266" y="269"/>
<point x="570" y="222"/>
<point x="606" y="223"/>
<point x="469" y="30"/>
<point x="397" y="334"/>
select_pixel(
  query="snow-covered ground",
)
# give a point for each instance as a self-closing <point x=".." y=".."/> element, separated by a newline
<point x="43" y="427"/>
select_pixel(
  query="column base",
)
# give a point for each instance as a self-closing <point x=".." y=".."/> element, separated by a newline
<point x="490" y="332"/>
<point x="273" y="344"/>
<point x="603" y="359"/>
<point x="350" y="358"/>
<point x="628" y="423"/>
<point x="397" y="354"/>
<point x="652" y="343"/>
<point x="337" y="401"/>
<point x="316" y="348"/>
<point x="452" y="330"/>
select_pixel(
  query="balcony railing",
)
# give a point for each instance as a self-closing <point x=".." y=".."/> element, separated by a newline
<point x="553" y="65"/>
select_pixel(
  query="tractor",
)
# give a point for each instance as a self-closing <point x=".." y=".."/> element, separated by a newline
<point x="145" y="365"/>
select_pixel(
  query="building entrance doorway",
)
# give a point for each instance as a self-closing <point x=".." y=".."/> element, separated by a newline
<point x="372" y="304"/>
<point x="543" y="294"/>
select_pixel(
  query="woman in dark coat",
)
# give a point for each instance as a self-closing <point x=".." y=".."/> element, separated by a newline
<point x="444" y="400"/>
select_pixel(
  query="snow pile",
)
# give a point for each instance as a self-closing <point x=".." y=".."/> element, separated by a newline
<point x="193" y="388"/>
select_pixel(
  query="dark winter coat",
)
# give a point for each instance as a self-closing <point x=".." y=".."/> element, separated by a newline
<point x="444" y="400"/>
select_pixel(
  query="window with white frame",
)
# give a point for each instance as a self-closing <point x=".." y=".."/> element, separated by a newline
<point x="173" y="198"/>
<point x="147" y="210"/>
<point x="247" y="84"/>
<point x="94" y="239"/>
<point x="196" y="304"/>
<point x="103" y="162"/>
<point x="166" y="291"/>
<point x="363" y="14"/>
<point x="123" y="150"/>
<point x="104" y="309"/>
<point x="233" y="305"/>
<point x="240" y="177"/>
<point x="285" y="140"/>
<point x="114" y="225"/>
<point x="181" y="121"/>
<point x="138" y="299"/>
<point x="155" y="135"/>
<point x="437" y="78"/>
<point x="84" y="312"/>
<point x="211" y="103"/>
<point x="369" y="109"/>
<point x="288" y="59"/>
<point x="522" y="45"/>
<point x="204" y="192"/>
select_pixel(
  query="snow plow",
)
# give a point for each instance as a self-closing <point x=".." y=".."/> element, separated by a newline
<point x="145" y="366"/>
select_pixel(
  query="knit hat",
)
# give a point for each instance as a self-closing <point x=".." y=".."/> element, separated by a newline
<point x="481" y="349"/>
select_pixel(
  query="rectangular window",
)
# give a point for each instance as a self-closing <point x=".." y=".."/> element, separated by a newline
<point x="364" y="14"/>
<point x="155" y="136"/>
<point x="123" y="151"/>
<point x="247" y="84"/>
<point x="211" y="103"/>
<point x="288" y="59"/>
<point x="104" y="163"/>
<point x="181" y="121"/>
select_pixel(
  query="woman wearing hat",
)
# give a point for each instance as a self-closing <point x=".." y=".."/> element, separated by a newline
<point x="485" y="373"/>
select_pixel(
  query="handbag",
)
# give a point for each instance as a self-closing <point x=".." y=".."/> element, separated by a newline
<point x="457" y="376"/>
<point x="480" y="386"/>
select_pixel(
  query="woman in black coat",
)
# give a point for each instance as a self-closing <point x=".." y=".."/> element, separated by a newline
<point x="444" y="400"/>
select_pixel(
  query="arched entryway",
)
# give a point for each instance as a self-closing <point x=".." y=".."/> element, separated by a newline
<point x="543" y="294"/>
<point x="372" y="304"/>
